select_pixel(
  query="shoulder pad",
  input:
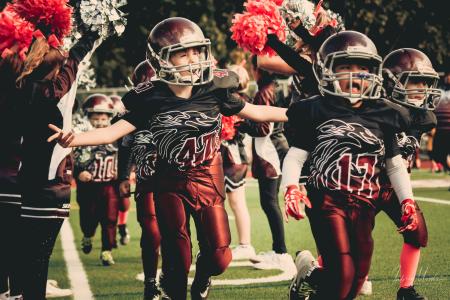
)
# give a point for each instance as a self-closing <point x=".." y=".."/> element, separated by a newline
<point x="225" y="79"/>
<point x="310" y="99"/>
<point x="143" y="86"/>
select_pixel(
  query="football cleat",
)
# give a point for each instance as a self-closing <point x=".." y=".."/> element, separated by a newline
<point x="106" y="258"/>
<point x="124" y="234"/>
<point x="300" y="288"/>
<point x="200" y="289"/>
<point x="151" y="290"/>
<point x="86" y="245"/>
<point x="409" y="293"/>
<point x="4" y="296"/>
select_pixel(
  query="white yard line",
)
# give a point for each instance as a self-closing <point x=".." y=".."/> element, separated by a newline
<point x="431" y="200"/>
<point x="77" y="275"/>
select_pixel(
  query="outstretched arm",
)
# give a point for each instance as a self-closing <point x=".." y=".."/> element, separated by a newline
<point x="263" y="113"/>
<point x="99" y="136"/>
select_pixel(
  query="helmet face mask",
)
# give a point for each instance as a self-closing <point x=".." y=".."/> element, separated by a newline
<point x="182" y="35"/>
<point x="349" y="48"/>
<point x="410" y="79"/>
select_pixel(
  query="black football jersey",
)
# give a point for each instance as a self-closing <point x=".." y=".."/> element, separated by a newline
<point x="185" y="132"/>
<point x="421" y="121"/>
<point x="347" y="146"/>
<point x="100" y="161"/>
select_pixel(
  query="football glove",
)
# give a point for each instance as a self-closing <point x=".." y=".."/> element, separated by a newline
<point x="409" y="216"/>
<point x="294" y="203"/>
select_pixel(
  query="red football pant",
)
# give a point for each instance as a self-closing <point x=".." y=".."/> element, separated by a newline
<point x="198" y="193"/>
<point x="99" y="203"/>
<point x="342" y="228"/>
<point x="150" y="237"/>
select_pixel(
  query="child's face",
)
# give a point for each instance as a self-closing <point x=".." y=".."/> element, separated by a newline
<point x="416" y="84"/>
<point x="356" y="86"/>
<point x="186" y="57"/>
<point x="99" y="120"/>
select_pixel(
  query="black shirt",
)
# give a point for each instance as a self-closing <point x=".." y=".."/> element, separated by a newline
<point x="347" y="145"/>
<point x="186" y="132"/>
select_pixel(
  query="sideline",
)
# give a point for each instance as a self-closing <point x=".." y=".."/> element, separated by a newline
<point x="77" y="275"/>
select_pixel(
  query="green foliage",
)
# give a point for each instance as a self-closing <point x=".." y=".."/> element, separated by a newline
<point x="390" y="23"/>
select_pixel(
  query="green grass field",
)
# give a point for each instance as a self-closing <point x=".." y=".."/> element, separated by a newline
<point x="118" y="281"/>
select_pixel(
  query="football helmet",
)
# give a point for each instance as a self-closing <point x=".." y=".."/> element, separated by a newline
<point x="405" y="66"/>
<point x="98" y="103"/>
<point x="119" y="108"/>
<point x="348" y="47"/>
<point x="172" y="35"/>
<point x="142" y="73"/>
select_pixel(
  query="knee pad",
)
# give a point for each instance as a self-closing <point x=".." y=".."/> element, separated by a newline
<point x="215" y="225"/>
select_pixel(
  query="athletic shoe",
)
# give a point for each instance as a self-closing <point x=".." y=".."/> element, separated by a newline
<point x="300" y="288"/>
<point x="241" y="252"/>
<point x="151" y="290"/>
<point x="106" y="258"/>
<point x="200" y="289"/>
<point x="124" y="234"/>
<point x="18" y="297"/>
<point x="409" y="293"/>
<point x="366" y="289"/>
<point x="277" y="261"/>
<point x="53" y="291"/>
<point x="86" y="245"/>
<point x="162" y="287"/>
<point x="4" y="295"/>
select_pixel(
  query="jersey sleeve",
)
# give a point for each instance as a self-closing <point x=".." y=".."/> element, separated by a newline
<point x="230" y="103"/>
<point x="301" y="124"/>
<point x="139" y="110"/>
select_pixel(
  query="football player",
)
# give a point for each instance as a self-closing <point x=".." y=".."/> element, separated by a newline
<point x="410" y="80"/>
<point x="136" y="150"/>
<point x="95" y="174"/>
<point x="348" y="136"/>
<point x="124" y="203"/>
<point x="182" y="113"/>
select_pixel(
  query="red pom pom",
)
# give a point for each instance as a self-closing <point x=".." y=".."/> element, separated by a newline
<point x="51" y="16"/>
<point x="228" y="130"/>
<point x="250" y="28"/>
<point x="15" y="32"/>
<point x="278" y="2"/>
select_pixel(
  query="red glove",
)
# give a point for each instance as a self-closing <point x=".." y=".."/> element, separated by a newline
<point x="409" y="216"/>
<point x="294" y="203"/>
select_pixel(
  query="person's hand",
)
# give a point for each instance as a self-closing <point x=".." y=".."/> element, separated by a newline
<point x="294" y="203"/>
<point x="409" y="216"/>
<point x="85" y="176"/>
<point x="64" y="139"/>
<point x="124" y="188"/>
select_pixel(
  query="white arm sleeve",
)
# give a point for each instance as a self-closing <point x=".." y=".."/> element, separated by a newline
<point x="292" y="166"/>
<point x="399" y="177"/>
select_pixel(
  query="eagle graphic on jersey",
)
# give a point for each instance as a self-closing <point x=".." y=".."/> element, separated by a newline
<point x="186" y="138"/>
<point x="346" y="158"/>
<point x="144" y="154"/>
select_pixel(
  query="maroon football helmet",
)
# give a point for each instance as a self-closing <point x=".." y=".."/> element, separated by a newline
<point x="172" y="35"/>
<point x="348" y="47"/>
<point x="98" y="103"/>
<point x="142" y="73"/>
<point x="409" y="66"/>
<point x="119" y="108"/>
